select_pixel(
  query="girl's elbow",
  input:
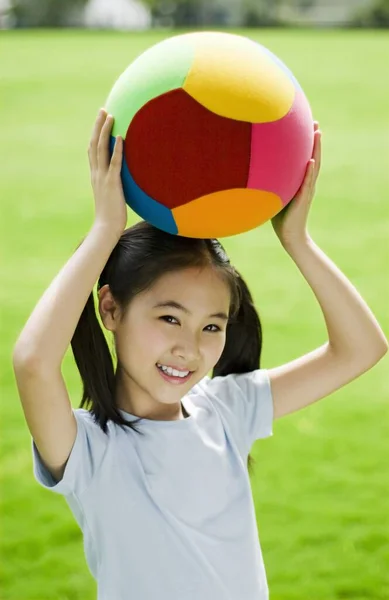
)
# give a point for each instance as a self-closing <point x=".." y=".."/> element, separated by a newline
<point x="376" y="355"/>
<point x="367" y="358"/>
<point x="383" y="347"/>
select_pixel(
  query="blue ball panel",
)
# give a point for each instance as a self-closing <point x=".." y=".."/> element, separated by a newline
<point x="151" y="211"/>
<point x="282" y="66"/>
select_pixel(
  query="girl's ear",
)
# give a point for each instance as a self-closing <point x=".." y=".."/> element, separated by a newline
<point x="108" y="308"/>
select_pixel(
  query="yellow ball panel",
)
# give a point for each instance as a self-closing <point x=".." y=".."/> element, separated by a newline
<point x="232" y="77"/>
<point x="226" y="213"/>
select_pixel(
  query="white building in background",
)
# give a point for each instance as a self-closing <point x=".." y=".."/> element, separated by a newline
<point x="117" y="14"/>
<point x="6" y="20"/>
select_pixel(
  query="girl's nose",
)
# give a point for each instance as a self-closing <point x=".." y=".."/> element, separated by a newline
<point x="187" y="349"/>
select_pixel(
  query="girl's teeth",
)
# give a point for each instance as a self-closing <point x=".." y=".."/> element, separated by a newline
<point x="173" y="372"/>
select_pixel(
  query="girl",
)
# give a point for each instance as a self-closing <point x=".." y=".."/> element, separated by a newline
<point x="154" y="463"/>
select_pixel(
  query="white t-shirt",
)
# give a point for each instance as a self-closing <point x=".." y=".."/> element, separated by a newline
<point x="169" y="515"/>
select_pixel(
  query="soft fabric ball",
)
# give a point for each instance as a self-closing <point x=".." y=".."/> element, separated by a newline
<point x="217" y="134"/>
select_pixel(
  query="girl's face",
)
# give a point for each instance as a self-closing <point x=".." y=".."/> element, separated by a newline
<point x="191" y="338"/>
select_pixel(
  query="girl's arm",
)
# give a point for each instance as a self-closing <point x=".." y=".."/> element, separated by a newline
<point x="42" y="344"/>
<point x="355" y="340"/>
<point x="50" y="328"/>
<point x="48" y="332"/>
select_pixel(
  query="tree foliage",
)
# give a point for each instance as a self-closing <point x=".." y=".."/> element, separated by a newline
<point x="375" y="15"/>
<point x="45" y="13"/>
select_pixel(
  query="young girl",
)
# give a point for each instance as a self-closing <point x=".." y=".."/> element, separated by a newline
<point x="154" y="463"/>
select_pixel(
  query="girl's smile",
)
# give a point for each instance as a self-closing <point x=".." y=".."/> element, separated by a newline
<point x="175" y="379"/>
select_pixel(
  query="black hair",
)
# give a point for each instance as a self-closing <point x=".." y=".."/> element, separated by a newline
<point x="142" y="255"/>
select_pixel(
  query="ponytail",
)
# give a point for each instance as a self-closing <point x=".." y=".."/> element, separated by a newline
<point x="95" y="365"/>
<point x="242" y="350"/>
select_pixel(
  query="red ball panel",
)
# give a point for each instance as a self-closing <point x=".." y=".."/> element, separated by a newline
<point x="177" y="150"/>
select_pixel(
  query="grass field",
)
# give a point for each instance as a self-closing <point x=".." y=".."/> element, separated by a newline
<point x="321" y="484"/>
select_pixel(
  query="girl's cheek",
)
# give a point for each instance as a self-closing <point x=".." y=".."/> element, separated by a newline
<point x="219" y="347"/>
<point x="156" y="334"/>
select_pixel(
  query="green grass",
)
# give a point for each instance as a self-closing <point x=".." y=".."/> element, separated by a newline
<point x="321" y="484"/>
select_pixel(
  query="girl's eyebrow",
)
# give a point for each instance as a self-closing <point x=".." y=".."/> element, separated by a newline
<point x="174" y="304"/>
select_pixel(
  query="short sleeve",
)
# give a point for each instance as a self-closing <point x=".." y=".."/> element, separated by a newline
<point x="245" y="402"/>
<point x="84" y="459"/>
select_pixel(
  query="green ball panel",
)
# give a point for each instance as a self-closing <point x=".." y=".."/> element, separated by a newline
<point x="160" y="69"/>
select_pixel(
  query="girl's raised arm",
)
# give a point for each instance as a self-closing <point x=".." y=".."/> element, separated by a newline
<point x="356" y="341"/>
<point x="42" y="344"/>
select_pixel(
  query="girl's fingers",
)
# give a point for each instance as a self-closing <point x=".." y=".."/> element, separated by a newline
<point x="92" y="149"/>
<point x="310" y="173"/>
<point x="307" y="181"/>
<point x="117" y="155"/>
<point x="317" y="151"/>
<point x="103" y="144"/>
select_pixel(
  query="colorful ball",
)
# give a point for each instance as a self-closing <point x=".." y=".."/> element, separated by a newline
<point x="217" y="134"/>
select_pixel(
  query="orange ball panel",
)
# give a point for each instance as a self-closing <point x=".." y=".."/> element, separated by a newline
<point x="226" y="213"/>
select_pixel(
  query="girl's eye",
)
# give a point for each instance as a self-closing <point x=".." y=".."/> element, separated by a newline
<point x="167" y="317"/>
<point x="214" y="330"/>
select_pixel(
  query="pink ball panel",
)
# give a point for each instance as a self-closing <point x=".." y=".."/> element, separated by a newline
<point x="281" y="168"/>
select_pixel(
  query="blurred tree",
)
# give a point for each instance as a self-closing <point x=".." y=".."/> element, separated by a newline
<point x="375" y="15"/>
<point x="304" y="4"/>
<point x="46" y="13"/>
<point x="261" y="13"/>
<point x="251" y="13"/>
<point x="192" y="13"/>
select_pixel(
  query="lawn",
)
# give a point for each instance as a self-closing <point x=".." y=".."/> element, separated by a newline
<point x="321" y="483"/>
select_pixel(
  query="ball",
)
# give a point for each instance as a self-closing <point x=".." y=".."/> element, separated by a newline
<point x="217" y="134"/>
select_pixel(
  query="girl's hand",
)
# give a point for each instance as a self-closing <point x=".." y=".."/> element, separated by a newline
<point x="110" y="205"/>
<point x="290" y="224"/>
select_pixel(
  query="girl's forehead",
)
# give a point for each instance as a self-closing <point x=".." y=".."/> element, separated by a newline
<point x="205" y="277"/>
<point x="189" y="287"/>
